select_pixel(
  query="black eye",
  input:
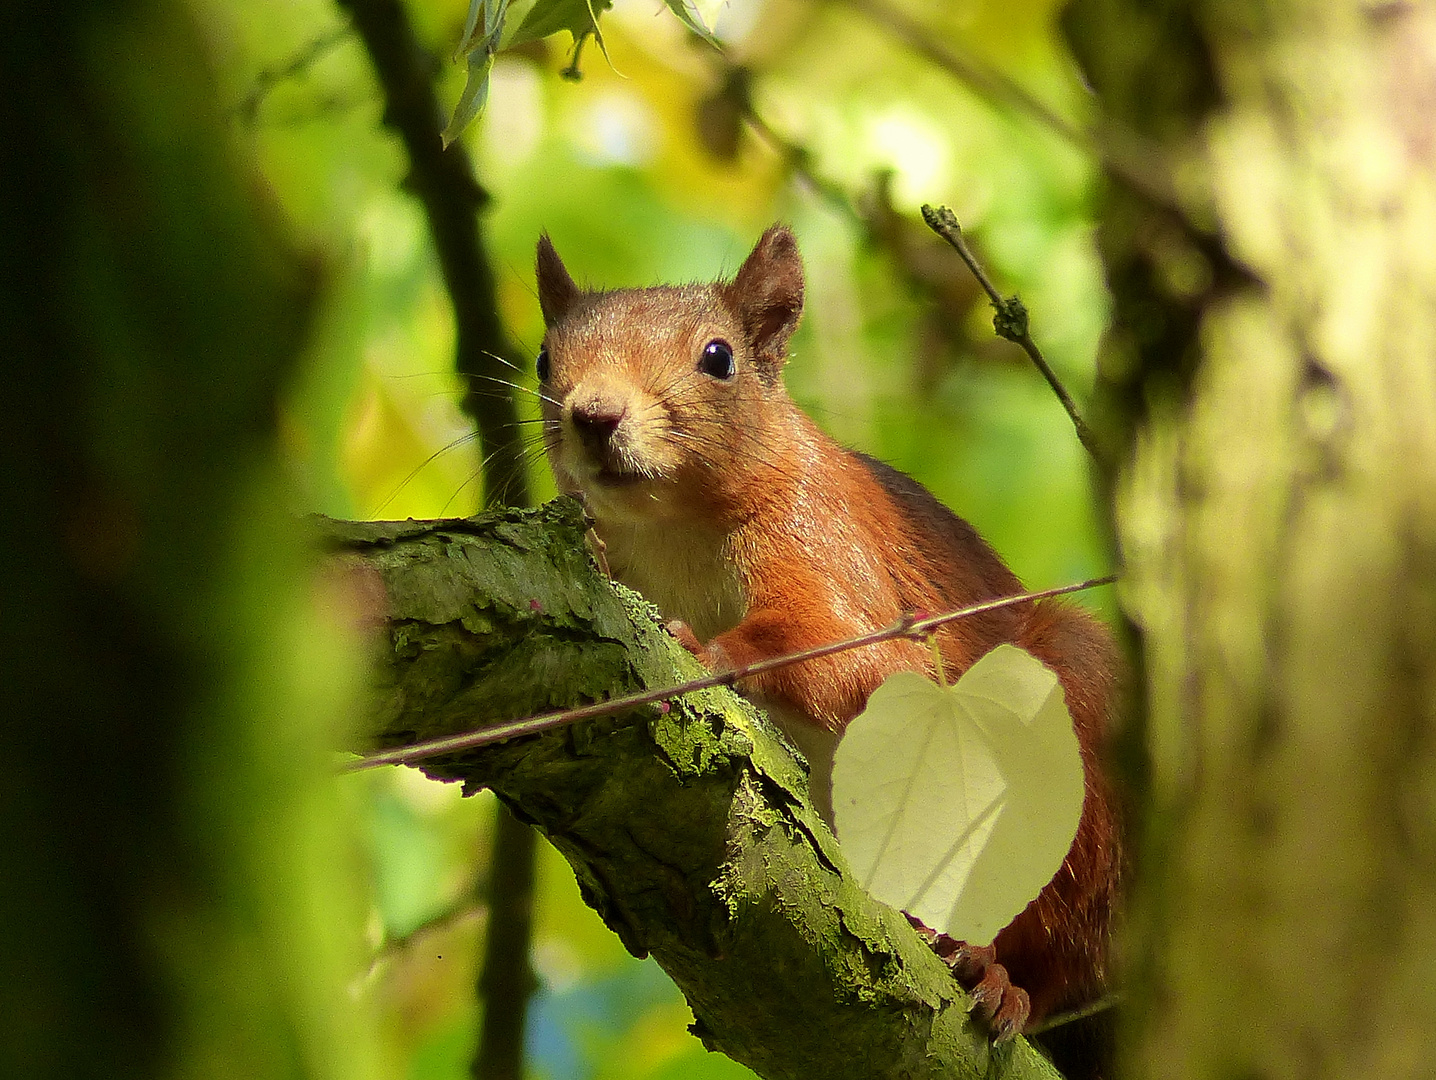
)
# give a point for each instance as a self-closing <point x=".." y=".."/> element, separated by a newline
<point x="541" y="365"/>
<point x="718" y="360"/>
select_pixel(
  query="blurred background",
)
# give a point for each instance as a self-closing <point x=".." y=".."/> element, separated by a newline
<point x="222" y="308"/>
<point x="663" y="163"/>
<point x="170" y="269"/>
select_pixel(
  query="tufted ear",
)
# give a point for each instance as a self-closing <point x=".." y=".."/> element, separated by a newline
<point x="556" y="289"/>
<point x="767" y="293"/>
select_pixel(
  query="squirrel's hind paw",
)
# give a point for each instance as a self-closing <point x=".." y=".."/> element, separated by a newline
<point x="1004" y="1008"/>
<point x="997" y="1004"/>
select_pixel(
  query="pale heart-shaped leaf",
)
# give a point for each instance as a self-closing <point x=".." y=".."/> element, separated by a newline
<point x="958" y="804"/>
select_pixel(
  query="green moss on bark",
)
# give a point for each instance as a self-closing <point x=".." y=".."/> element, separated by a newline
<point x="688" y="826"/>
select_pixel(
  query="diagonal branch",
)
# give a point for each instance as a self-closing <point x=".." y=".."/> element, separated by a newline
<point x="444" y="182"/>
<point x="1126" y="156"/>
<point x="297" y="64"/>
<point x="690" y="830"/>
<point x="985" y="81"/>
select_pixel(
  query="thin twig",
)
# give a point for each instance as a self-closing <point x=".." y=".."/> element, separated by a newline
<point x="269" y="78"/>
<point x="944" y="222"/>
<point x="987" y="82"/>
<point x="1010" y="320"/>
<point x="911" y="625"/>
<point x="1071" y="1016"/>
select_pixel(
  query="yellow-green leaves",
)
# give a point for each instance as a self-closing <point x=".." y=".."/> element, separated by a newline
<point x="494" y="25"/>
<point x="958" y="804"/>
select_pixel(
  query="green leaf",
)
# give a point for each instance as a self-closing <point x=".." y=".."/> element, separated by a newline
<point x="699" y="16"/>
<point x="474" y="97"/>
<point x="482" y="37"/>
<point x="959" y="804"/>
<point x="471" y="23"/>
<point x="494" y="25"/>
<point x="477" y="46"/>
<point x="545" y="17"/>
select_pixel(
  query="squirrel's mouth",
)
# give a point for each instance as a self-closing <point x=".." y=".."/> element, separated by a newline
<point x="609" y="468"/>
<point x="611" y="477"/>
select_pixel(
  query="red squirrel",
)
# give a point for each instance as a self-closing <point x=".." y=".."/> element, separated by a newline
<point x="758" y="535"/>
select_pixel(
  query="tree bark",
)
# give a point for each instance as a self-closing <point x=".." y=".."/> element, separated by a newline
<point x="1274" y="381"/>
<point x="689" y="827"/>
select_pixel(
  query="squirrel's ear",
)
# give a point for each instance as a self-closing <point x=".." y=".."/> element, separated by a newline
<point x="767" y="294"/>
<point x="556" y="289"/>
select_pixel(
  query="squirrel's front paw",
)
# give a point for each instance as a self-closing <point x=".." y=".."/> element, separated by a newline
<point x="687" y="638"/>
<point x="712" y="656"/>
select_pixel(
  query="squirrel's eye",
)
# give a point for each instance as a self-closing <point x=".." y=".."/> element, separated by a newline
<point x="541" y="365"/>
<point x="718" y="360"/>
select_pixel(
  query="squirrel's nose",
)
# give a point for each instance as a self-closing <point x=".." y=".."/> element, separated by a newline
<point x="595" y="420"/>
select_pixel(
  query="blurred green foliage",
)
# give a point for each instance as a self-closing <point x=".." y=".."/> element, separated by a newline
<point x="615" y="167"/>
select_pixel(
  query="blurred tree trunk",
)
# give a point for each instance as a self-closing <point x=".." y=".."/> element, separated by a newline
<point x="169" y="903"/>
<point x="1273" y="383"/>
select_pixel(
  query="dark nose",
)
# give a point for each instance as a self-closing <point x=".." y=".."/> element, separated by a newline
<point x="596" y="420"/>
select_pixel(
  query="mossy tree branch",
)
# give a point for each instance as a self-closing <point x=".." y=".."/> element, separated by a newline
<point x="689" y="827"/>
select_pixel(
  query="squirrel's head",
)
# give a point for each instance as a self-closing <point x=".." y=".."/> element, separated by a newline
<point x="661" y="402"/>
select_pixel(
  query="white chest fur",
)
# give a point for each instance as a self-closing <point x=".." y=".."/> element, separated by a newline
<point x="685" y="570"/>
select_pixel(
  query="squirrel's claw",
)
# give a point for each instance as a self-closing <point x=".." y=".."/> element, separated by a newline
<point x="1000" y="1006"/>
<point x="1004" y="1008"/>
<point x="687" y="638"/>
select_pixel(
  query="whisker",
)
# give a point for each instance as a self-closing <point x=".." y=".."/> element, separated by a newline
<point x="753" y="450"/>
<point x="529" y="451"/>
<point x="508" y="363"/>
<point x="472" y="477"/>
<point x="539" y="394"/>
<point x="681" y="379"/>
<point x="437" y="373"/>
<point x="452" y="445"/>
<point x="475" y="376"/>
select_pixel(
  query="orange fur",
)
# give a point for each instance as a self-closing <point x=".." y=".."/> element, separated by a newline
<point x="726" y="506"/>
